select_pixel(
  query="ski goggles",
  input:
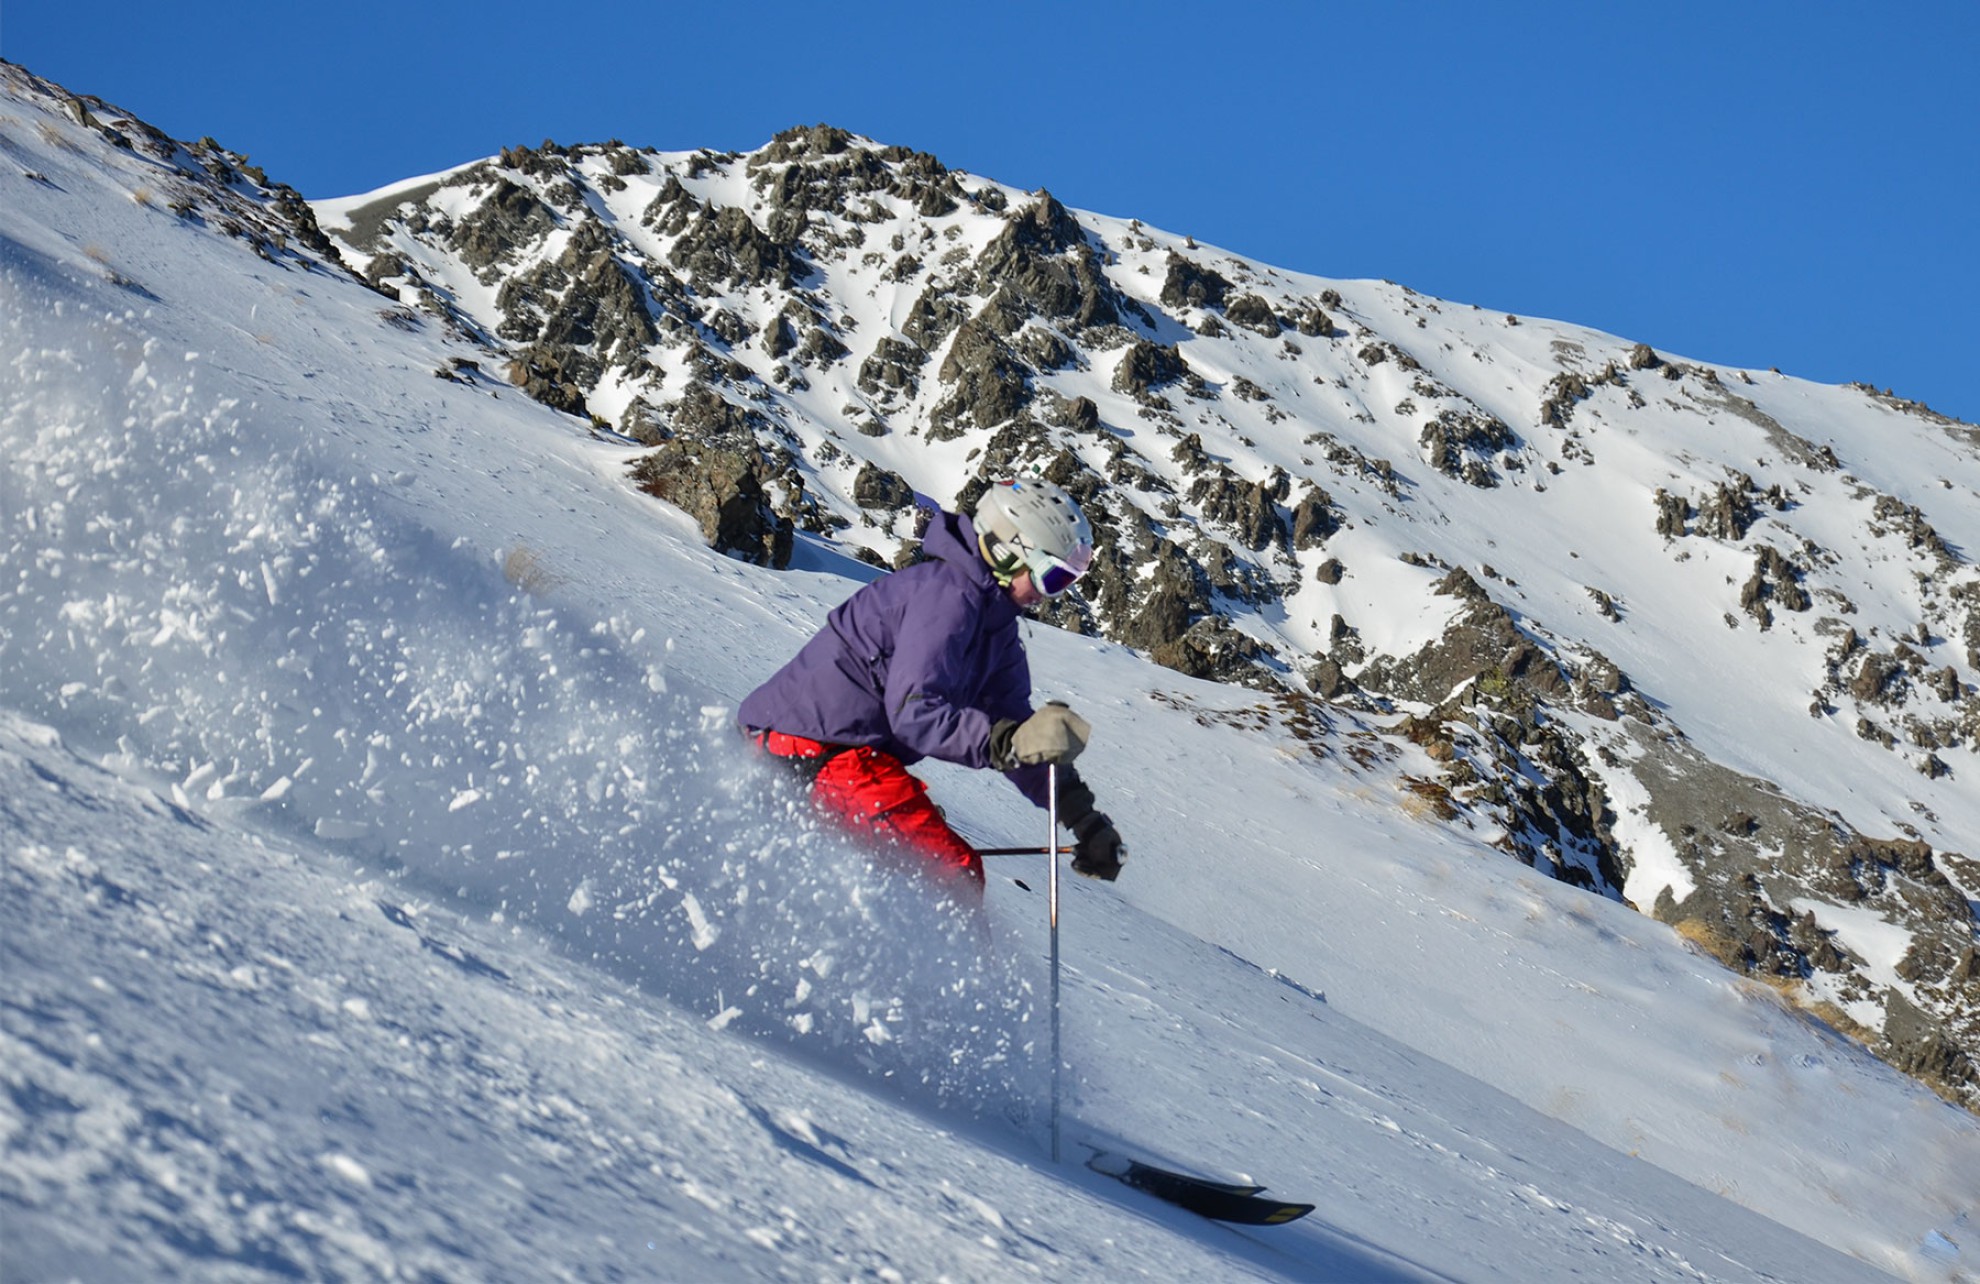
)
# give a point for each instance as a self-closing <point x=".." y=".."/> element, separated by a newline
<point x="1049" y="575"/>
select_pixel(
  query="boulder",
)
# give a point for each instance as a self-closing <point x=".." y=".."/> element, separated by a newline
<point x="721" y="488"/>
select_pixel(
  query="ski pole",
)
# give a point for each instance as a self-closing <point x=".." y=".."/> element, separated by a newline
<point x="1024" y="851"/>
<point x="1051" y="842"/>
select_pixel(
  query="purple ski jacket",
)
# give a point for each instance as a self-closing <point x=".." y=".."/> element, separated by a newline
<point x="921" y="663"/>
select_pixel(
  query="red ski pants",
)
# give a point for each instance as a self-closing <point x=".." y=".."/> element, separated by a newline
<point x="872" y="794"/>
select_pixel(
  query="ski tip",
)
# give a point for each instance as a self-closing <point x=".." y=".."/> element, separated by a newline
<point x="1109" y="1164"/>
<point x="1220" y="1201"/>
<point x="1120" y="1166"/>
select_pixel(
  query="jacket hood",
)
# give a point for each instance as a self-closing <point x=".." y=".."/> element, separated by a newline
<point x="951" y="538"/>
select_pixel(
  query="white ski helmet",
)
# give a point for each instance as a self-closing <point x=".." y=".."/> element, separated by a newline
<point x="1033" y="525"/>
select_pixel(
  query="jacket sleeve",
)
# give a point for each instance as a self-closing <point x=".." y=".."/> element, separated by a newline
<point x="930" y="683"/>
<point x="1007" y="694"/>
<point x="1033" y="784"/>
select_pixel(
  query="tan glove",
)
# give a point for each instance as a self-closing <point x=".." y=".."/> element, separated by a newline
<point x="1054" y="734"/>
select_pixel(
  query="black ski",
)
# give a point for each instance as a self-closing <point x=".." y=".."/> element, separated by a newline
<point x="1219" y="1201"/>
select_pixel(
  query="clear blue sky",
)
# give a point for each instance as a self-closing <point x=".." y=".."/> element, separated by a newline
<point x="1790" y="183"/>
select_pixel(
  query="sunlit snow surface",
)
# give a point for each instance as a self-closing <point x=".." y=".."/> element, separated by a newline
<point x="384" y="897"/>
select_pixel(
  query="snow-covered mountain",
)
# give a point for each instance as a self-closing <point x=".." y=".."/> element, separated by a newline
<point x="384" y="895"/>
<point x="1700" y="638"/>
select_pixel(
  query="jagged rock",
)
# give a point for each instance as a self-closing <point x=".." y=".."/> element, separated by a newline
<point x="1879" y="680"/>
<point x="1460" y="584"/>
<point x="1231" y="576"/>
<point x="721" y="487"/>
<point x="545" y="162"/>
<point x="1918" y="533"/>
<point x="704" y="414"/>
<point x="583" y="299"/>
<point x="1603" y="675"/>
<point x="1145" y="590"/>
<point x="1146" y="366"/>
<point x="1189" y="284"/>
<point x="1569" y="821"/>
<point x="727" y="249"/>
<point x="1212" y="650"/>
<point x="1906" y="856"/>
<point x="932" y="318"/>
<point x="1043" y="349"/>
<point x="1644" y="357"/>
<point x="779" y="338"/>
<point x="1456" y="443"/>
<point x="383" y="267"/>
<point x="644" y="423"/>
<point x="1253" y="313"/>
<point x="1005" y="313"/>
<point x="552" y="376"/>
<point x="1816" y="945"/>
<point x="1344" y="641"/>
<point x="1047" y="227"/>
<point x="990" y="384"/>
<point x="1482" y="643"/>
<point x="1167" y="609"/>
<point x="1043" y="259"/>
<point x="877" y="487"/>
<point x="1728" y="513"/>
<point x="1764" y="934"/>
<point x="1775" y="580"/>
<point x="1314" y="519"/>
<point x="802" y="141"/>
<point x="1247" y="508"/>
<point x="1868" y="730"/>
<point x="670" y="212"/>
<point x="1673" y="514"/>
<point x="820" y="347"/>
<point x="508" y="218"/>
<point x="626" y="161"/>
<point x="824" y="168"/>
<point x="1558" y="401"/>
<point x="894" y="364"/>
<point x="1313" y="322"/>
<point x="1328" y="679"/>
<point x="1017" y="449"/>
<point x="1918" y="1045"/>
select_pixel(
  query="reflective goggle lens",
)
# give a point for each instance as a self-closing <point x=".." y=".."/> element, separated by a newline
<point x="1053" y="576"/>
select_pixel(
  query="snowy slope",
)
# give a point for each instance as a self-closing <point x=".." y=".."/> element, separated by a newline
<point x="383" y="896"/>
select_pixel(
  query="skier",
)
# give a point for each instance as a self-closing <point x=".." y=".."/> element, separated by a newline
<point x="927" y="662"/>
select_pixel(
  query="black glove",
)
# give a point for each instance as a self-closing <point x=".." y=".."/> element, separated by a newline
<point x="1099" y="851"/>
